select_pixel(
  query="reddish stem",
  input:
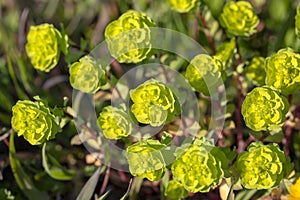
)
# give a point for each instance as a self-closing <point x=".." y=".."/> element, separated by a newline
<point x="209" y="37"/>
<point x="105" y="181"/>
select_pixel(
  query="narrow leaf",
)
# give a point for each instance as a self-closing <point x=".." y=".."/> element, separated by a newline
<point x="23" y="180"/>
<point x="89" y="188"/>
<point x="57" y="172"/>
<point x="127" y="192"/>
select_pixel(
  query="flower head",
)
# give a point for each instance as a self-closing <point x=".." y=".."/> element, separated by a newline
<point x="153" y="103"/>
<point x="205" y="73"/>
<point x="200" y="167"/>
<point x="283" y="71"/>
<point x="255" y="71"/>
<point x="87" y="75"/>
<point x="239" y="18"/>
<point x="294" y="193"/>
<point x="262" y="166"/>
<point x="175" y="190"/>
<point x="34" y="121"/>
<point x="183" y="6"/>
<point x="114" y="123"/>
<point x="128" y="37"/>
<point x="264" y="109"/>
<point x="44" y="45"/>
<point x="146" y="160"/>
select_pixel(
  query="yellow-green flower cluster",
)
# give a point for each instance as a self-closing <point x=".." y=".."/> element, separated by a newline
<point x="175" y="190"/>
<point x="44" y="45"/>
<point x="255" y="71"/>
<point x="145" y="159"/>
<point x="294" y="193"/>
<point x="184" y="6"/>
<point x="297" y="22"/>
<point x="262" y="166"/>
<point x="87" y="75"/>
<point x="114" y="123"/>
<point x="128" y="37"/>
<point x="205" y="73"/>
<point x="283" y="71"/>
<point x="239" y="18"/>
<point x="153" y="103"/>
<point x="264" y="109"/>
<point x="200" y="167"/>
<point x="34" y="121"/>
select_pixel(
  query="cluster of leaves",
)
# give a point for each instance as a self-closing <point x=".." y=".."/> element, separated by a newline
<point x="264" y="86"/>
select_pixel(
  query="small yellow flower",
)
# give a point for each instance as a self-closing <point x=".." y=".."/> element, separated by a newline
<point x="295" y="191"/>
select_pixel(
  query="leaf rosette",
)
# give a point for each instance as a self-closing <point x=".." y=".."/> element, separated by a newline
<point x="129" y="37"/>
<point x="255" y="71"/>
<point x="239" y="18"/>
<point x="204" y="73"/>
<point x="283" y="71"/>
<point x="200" y="167"/>
<point x="264" y="109"/>
<point x="87" y="75"/>
<point x="262" y="166"/>
<point x="34" y="121"/>
<point x="145" y="159"/>
<point x="114" y="123"/>
<point x="153" y="103"/>
<point x="44" y="45"/>
<point x="184" y="6"/>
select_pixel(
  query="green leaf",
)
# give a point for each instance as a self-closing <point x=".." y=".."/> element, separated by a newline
<point x="23" y="180"/>
<point x="56" y="171"/>
<point x="89" y="188"/>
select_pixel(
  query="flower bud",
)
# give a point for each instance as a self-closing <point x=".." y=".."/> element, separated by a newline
<point x="114" y="123"/>
<point x="34" y="121"/>
<point x="200" y="167"/>
<point x="44" y="45"/>
<point x="175" y="190"/>
<point x="262" y="166"/>
<point x="128" y="37"/>
<point x="205" y="73"/>
<point x="184" y="6"/>
<point x="255" y="71"/>
<point x="239" y="18"/>
<point x="283" y="71"/>
<point x="146" y="160"/>
<point x="264" y="109"/>
<point x="87" y="75"/>
<point x="153" y="103"/>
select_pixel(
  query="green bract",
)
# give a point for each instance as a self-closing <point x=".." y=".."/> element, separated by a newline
<point x="146" y="160"/>
<point x="205" y="73"/>
<point x="283" y="71"/>
<point x="183" y="6"/>
<point x="175" y="190"/>
<point x="128" y="37"/>
<point x="297" y="22"/>
<point x="87" y="75"/>
<point x="264" y="109"/>
<point x="153" y="103"/>
<point x="114" y="123"/>
<point x="239" y="18"/>
<point x="34" y="121"/>
<point x="262" y="167"/>
<point x="255" y="71"/>
<point x="225" y="52"/>
<point x="44" y="45"/>
<point x="200" y="167"/>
